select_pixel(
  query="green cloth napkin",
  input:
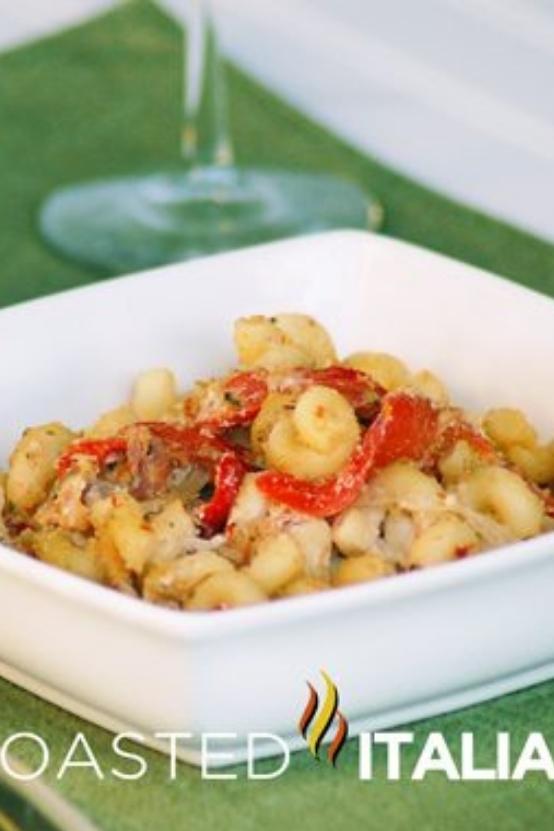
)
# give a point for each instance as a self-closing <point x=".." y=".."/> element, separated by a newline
<point x="104" y="99"/>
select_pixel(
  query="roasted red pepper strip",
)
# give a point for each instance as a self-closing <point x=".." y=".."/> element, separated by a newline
<point x="404" y="429"/>
<point x="229" y="473"/>
<point x="198" y="444"/>
<point x="99" y="449"/>
<point x="357" y="387"/>
<point x="460" y="431"/>
<point x="201" y="445"/>
<point x="244" y="394"/>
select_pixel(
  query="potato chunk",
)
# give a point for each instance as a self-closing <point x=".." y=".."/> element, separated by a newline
<point x="58" y="548"/>
<point x="153" y="393"/>
<point x="33" y="464"/>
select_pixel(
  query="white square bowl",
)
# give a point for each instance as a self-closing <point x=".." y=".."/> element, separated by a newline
<point x="398" y="649"/>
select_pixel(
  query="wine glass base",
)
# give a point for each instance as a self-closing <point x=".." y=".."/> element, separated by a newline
<point x="133" y="223"/>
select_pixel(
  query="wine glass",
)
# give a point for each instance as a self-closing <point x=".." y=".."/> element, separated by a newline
<point x="208" y="205"/>
<point x="27" y="803"/>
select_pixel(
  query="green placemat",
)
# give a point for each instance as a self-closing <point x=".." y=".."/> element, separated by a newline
<point x="104" y="99"/>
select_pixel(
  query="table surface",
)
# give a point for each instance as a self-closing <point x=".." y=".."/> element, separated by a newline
<point x="457" y="93"/>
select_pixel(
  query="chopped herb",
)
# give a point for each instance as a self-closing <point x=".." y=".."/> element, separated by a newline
<point x="232" y="399"/>
<point x="206" y="492"/>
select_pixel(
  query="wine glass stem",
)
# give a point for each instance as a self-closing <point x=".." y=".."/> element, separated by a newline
<point x="206" y="139"/>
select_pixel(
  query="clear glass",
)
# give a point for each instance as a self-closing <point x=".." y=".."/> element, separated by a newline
<point x="31" y="805"/>
<point x="209" y="204"/>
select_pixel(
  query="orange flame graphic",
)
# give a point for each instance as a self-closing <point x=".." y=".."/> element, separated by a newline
<point x="321" y="723"/>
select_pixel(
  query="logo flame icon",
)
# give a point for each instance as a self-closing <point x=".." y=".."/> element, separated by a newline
<point x="321" y="723"/>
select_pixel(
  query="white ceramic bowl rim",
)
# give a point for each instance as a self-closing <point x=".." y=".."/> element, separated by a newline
<point x="171" y="622"/>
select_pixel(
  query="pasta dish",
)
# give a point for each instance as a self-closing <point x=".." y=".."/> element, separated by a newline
<point x="293" y="473"/>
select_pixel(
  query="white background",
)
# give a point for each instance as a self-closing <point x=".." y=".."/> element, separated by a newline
<point x="458" y="93"/>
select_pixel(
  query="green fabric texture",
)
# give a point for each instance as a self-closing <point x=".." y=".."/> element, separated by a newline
<point x="104" y="99"/>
